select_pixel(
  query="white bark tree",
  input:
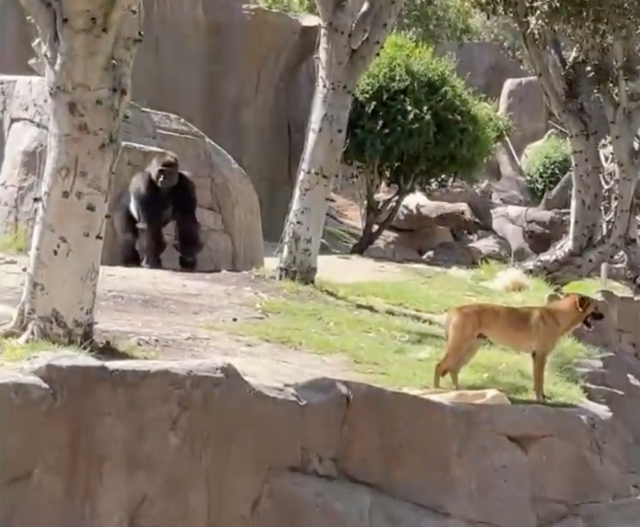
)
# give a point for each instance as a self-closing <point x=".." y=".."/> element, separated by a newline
<point x="351" y="34"/>
<point x="86" y="49"/>
<point x="581" y="50"/>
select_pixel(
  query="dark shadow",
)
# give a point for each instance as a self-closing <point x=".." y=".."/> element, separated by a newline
<point x="383" y="309"/>
<point x="106" y="351"/>
<point x="551" y="404"/>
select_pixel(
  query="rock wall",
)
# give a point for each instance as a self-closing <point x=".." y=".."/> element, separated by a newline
<point x="242" y="74"/>
<point x="166" y="444"/>
<point x="229" y="211"/>
<point x="483" y="65"/>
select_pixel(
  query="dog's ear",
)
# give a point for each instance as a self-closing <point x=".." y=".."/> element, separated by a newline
<point x="555" y="294"/>
<point x="582" y="303"/>
<point x="552" y="297"/>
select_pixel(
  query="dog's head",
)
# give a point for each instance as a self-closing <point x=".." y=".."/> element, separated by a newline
<point x="585" y="307"/>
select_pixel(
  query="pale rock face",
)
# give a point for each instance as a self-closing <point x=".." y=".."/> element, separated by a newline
<point x="522" y="100"/>
<point x="484" y="66"/>
<point x="228" y="205"/>
<point x="242" y="74"/>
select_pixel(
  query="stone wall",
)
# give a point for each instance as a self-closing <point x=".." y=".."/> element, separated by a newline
<point x="160" y="444"/>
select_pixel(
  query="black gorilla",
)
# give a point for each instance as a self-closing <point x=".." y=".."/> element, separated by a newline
<point x="155" y="197"/>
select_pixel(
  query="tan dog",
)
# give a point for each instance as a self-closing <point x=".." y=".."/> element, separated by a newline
<point x="529" y="329"/>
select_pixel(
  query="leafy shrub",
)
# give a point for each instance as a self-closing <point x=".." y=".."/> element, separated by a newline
<point x="292" y="7"/>
<point x="545" y="163"/>
<point x="414" y="122"/>
<point x="433" y="21"/>
<point x="437" y="21"/>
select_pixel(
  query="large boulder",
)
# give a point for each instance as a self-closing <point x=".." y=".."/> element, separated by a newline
<point x="195" y="444"/>
<point x="408" y="246"/>
<point x="522" y="100"/>
<point x="228" y="206"/>
<point x="242" y="74"/>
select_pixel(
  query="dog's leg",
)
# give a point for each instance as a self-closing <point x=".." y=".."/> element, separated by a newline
<point x="470" y="351"/>
<point x="454" y="379"/>
<point x="539" y="365"/>
<point x="438" y="372"/>
<point x="456" y="358"/>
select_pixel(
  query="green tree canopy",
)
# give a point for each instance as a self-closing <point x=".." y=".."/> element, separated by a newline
<point x="432" y="21"/>
<point x="414" y="118"/>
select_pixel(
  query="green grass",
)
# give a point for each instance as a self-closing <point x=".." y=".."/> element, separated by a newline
<point x="12" y="351"/>
<point x="16" y="243"/>
<point x="396" y="351"/>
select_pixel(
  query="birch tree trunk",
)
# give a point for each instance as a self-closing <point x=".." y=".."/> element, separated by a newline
<point x="347" y="45"/>
<point x="86" y="49"/>
<point x="598" y="247"/>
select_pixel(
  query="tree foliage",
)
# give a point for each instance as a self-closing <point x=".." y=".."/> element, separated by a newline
<point x="414" y="123"/>
<point x="415" y="119"/>
<point x="430" y="21"/>
<point x="545" y="164"/>
<point x="437" y="21"/>
<point x="586" y="54"/>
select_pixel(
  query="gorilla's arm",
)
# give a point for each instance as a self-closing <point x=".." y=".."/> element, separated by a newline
<point x="184" y="204"/>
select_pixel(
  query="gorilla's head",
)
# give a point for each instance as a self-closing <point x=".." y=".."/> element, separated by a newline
<point x="165" y="171"/>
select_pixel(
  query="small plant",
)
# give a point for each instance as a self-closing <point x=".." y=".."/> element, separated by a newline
<point x="15" y="243"/>
<point x="545" y="165"/>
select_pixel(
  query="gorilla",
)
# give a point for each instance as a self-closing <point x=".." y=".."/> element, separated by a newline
<point x="162" y="193"/>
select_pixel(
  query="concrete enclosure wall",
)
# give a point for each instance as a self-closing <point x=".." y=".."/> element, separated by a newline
<point x="163" y="444"/>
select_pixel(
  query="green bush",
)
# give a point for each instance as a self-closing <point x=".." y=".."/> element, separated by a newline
<point x="438" y="21"/>
<point x="414" y="118"/>
<point x="545" y="163"/>
<point x="432" y="22"/>
<point x="292" y="7"/>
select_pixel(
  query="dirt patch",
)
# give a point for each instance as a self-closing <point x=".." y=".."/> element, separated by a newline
<point x="171" y="314"/>
<point x="347" y="269"/>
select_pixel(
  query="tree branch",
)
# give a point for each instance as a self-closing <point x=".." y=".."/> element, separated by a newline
<point x="113" y="20"/>
<point x="382" y="17"/>
<point x="623" y="97"/>
<point x="538" y="60"/>
<point x="609" y="104"/>
<point x="125" y="47"/>
<point x="634" y="117"/>
<point x="362" y="25"/>
<point x="44" y="17"/>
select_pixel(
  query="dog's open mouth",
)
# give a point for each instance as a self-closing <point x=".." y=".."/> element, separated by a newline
<point x="588" y="321"/>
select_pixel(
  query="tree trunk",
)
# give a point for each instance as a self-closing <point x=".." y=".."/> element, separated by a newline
<point x="346" y="47"/>
<point x="572" y="265"/>
<point x="88" y="78"/>
<point x="586" y="192"/>
<point x="320" y="165"/>
<point x="567" y="260"/>
<point x="369" y="235"/>
<point x="631" y="250"/>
